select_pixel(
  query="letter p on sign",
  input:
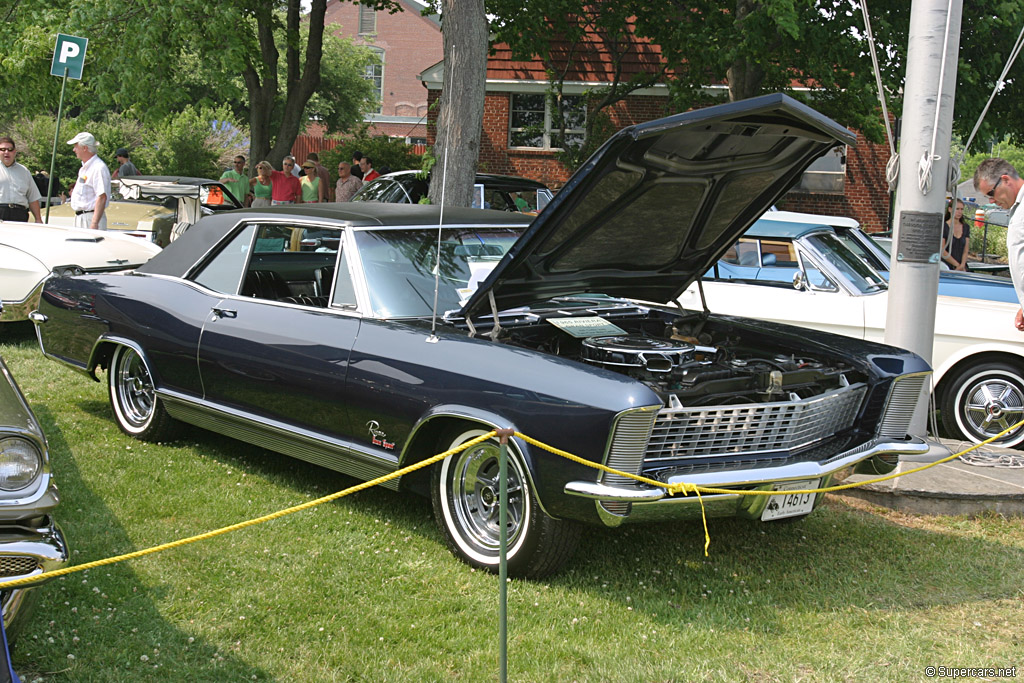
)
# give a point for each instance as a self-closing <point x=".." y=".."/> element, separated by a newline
<point x="69" y="54"/>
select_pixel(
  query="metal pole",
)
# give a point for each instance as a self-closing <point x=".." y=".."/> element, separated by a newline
<point x="53" y="152"/>
<point x="934" y="44"/>
<point x="503" y="435"/>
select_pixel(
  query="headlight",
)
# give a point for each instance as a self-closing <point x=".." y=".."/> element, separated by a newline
<point x="20" y="463"/>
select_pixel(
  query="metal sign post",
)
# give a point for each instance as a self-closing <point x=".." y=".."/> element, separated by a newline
<point x="503" y="435"/>
<point x="68" y="62"/>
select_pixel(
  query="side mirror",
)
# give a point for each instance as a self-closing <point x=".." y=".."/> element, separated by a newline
<point x="798" y="280"/>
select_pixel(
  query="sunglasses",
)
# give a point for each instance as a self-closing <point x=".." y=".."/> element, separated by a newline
<point x="6" y="149"/>
<point x="991" y="194"/>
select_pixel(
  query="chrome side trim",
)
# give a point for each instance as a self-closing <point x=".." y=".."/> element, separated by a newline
<point x="642" y="495"/>
<point x="304" y="444"/>
<point x="20" y="310"/>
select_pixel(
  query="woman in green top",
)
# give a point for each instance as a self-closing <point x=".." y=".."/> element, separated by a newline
<point x="261" y="185"/>
<point x="312" y="190"/>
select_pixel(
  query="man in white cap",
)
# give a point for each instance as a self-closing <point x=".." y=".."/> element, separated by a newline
<point x="92" y="189"/>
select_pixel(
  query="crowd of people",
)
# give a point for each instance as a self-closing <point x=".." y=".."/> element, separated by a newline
<point x="309" y="183"/>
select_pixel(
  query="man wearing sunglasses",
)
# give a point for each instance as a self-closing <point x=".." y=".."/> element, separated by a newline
<point x="18" y="192"/>
<point x="999" y="181"/>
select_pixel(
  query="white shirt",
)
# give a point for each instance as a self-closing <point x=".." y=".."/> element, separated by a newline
<point x="93" y="180"/>
<point x="1015" y="245"/>
<point x="17" y="186"/>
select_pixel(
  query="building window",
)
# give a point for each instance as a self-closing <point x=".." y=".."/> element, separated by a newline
<point x="367" y="20"/>
<point x="532" y="123"/>
<point x="375" y="74"/>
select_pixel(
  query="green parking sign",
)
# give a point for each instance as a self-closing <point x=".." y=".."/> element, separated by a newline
<point x="69" y="54"/>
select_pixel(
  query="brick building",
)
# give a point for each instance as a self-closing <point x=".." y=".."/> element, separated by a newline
<point x="407" y="43"/>
<point x="516" y="128"/>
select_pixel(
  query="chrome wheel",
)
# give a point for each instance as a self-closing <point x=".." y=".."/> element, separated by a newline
<point x="133" y="397"/>
<point x="465" y="495"/>
<point x="984" y="401"/>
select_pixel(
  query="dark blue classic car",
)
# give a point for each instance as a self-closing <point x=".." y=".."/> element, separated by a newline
<point x="365" y="337"/>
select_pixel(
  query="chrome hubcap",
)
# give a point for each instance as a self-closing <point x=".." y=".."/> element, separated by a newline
<point x="475" y="496"/>
<point x="993" y="404"/>
<point x="135" y="389"/>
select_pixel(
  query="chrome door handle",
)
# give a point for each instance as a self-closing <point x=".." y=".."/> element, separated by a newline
<point x="225" y="313"/>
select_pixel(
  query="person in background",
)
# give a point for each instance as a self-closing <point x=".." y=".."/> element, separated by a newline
<point x="125" y="166"/>
<point x="262" y="186"/>
<point x="92" y="187"/>
<point x="357" y="170"/>
<point x="956" y="238"/>
<point x="286" y="188"/>
<point x="236" y="180"/>
<point x="323" y="174"/>
<point x="312" y="189"/>
<point x="366" y="164"/>
<point x="999" y="181"/>
<point x="18" y="192"/>
<point x="348" y="184"/>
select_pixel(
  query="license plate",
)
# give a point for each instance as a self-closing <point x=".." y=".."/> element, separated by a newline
<point x="790" y="504"/>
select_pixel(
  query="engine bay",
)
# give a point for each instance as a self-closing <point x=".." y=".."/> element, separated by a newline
<point x="686" y="358"/>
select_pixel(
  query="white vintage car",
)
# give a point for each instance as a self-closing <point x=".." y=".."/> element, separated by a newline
<point x="30" y="252"/>
<point x="805" y="274"/>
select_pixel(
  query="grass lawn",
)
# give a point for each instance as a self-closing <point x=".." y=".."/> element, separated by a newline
<point x="363" y="589"/>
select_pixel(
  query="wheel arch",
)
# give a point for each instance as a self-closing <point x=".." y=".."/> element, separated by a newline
<point x="103" y="351"/>
<point x="952" y="368"/>
<point x="425" y="441"/>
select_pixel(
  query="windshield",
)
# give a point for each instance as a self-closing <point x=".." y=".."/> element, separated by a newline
<point x="400" y="266"/>
<point x="854" y="271"/>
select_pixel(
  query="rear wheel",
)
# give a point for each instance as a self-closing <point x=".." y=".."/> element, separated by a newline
<point x="983" y="400"/>
<point x="465" y="494"/>
<point x="137" y="409"/>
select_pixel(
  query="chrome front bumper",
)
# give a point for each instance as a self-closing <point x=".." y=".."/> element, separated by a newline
<point x="37" y="550"/>
<point x="650" y="503"/>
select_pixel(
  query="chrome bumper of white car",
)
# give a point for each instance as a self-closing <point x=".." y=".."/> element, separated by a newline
<point x="648" y="503"/>
<point x="25" y="553"/>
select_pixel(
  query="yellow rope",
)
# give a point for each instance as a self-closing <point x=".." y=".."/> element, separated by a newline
<point x="14" y="583"/>
<point x="672" y="489"/>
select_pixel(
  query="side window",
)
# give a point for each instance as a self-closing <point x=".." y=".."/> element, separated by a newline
<point x="816" y="278"/>
<point x="495" y="199"/>
<point x="223" y="272"/>
<point x="344" y="295"/>
<point x="783" y="252"/>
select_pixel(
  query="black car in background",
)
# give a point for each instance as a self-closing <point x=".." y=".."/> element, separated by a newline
<point x="500" y="192"/>
<point x="397" y="334"/>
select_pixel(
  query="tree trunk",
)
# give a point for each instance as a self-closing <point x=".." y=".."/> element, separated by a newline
<point x="461" y="114"/>
<point x="743" y="75"/>
<point x="302" y="80"/>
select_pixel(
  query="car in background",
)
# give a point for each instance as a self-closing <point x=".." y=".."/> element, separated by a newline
<point x="31" y="252"/>
<point x="875" y="252"/>
<point x="31" y="541"/>
<point x="807" y="274"/>
<point x="407" y="330"/>
<point x="157" y="208"/>
<point x="500" y="192"/>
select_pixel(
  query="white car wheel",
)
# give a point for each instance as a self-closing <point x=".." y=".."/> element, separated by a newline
<point x="983" y="400"/>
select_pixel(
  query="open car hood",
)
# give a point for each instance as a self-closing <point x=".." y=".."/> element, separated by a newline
<point x="660" y="202"/>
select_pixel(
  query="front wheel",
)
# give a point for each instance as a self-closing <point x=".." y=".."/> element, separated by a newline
<point x="983" y="400"/>
<point x="137" y="409"/>
<point x="465" y="494"/>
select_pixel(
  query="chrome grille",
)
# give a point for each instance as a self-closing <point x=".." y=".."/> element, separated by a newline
<point x="681" y="433"/>
<point x="899" y="407"/>
<point x="15" y="565"/>
<point x="626" y="451"/>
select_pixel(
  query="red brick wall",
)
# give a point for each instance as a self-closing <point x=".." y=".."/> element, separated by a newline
<point x="866" y="195"/>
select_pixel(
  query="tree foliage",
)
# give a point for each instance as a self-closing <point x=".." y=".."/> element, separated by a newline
<point x="267" y="60"/>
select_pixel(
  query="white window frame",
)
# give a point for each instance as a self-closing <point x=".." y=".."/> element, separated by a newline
<point x="549" y="118"/>
<point x="371" y="74"/>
